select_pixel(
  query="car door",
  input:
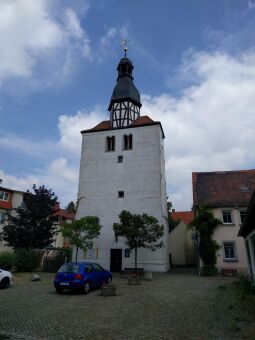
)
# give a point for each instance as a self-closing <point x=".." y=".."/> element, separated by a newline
<point x="99" y="274"/>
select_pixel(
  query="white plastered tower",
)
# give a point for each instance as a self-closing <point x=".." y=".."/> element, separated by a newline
<point x="122" y="167"/>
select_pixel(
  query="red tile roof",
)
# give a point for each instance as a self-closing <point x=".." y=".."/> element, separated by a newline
<point x="63" y="213"/>
<point x="185" y="216"/>
<point x="223" y="188"/>
<point x="140" y="121"/>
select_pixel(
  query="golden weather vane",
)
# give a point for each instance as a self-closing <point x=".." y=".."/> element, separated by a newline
<point x="124" y="42"/>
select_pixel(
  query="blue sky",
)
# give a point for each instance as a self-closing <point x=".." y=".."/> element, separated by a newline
<point x="194" y="67"/>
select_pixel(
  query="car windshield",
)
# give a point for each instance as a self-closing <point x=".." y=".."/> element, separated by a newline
<point x="69" y="268"/>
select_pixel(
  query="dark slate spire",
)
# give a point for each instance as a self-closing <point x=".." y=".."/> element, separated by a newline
<point x="125" y="92"/>
<point x="125" y="88"/>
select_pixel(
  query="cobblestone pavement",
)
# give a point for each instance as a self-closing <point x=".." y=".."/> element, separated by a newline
<point x="172" y="306"/>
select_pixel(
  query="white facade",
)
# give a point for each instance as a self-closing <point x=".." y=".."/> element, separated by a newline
<point x="16" y="199"/>
<point x="140" y="175"/>
<point x="227" y="234"/>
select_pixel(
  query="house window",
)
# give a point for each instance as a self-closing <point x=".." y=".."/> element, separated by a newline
<point x="242" y="216"/>
<point x="227" y="217"/>
<point x="120" y="159"/>
<point x="110" y="143"/>
<point x="229" y="251"/>
<point x="128" y="142"/>
<point x="120" y="194"/>
<point x="4" y="196"/>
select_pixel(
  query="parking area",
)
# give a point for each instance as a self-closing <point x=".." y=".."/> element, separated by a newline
<point x="176" y="305"/>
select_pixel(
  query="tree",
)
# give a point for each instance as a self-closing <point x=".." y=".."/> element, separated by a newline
<point x="171" y="222"/>
<point x="140" y="231"/>
<point x="71" y="207"/>
<point x="81" y="232"/>
<point x="205" y="224"/>
<point x="33" y="225"/>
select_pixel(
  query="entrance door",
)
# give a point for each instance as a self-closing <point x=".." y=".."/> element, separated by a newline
<point x="116" y="260"/>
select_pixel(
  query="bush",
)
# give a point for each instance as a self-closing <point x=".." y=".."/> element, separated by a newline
<point x="208" y="270"/>
<point x="26" y="260"/>
<point x="245" y="285"/>
<point x="7" y="260"/>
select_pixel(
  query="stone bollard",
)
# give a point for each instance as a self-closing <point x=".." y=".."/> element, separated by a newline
<point x="108" y="291"/>
<point x="148" y="276"/>
<point x="35" y="277"/>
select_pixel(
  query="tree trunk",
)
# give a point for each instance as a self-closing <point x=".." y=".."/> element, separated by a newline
<point x="76" y="256"/>
<point x="135" y="257"/>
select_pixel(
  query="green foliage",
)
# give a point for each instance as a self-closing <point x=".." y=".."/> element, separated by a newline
<point x="205" y="224"/>
<point x="33" y="225"/>
<point x="245" y="285"/>
<point x="71" y="207"/>
<point x="140" y="231"/>
<point x="7" y="260"/>
<point x="171" y="223"/>
<point x="26" y="260"/>
<point x="82" y="232"/>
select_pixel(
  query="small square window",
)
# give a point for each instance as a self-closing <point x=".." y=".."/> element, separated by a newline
<point x="120" y="194"/>
<point x="227" y="217"/>
<point x="229" y="250"/>
<point x="120" y="159"/>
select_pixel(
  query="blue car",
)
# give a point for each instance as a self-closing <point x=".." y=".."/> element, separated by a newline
<point x="82" y="276"/>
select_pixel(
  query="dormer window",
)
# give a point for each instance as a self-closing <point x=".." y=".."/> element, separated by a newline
<point x="128" y="142"/>
<point x="4" y="196"/>
<point x="110" y="143"/>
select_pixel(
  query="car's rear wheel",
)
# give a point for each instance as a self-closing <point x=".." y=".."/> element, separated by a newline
<point x="59" y="290"/>
<point x="5" y="282"/>
<point x="86" y="288"/>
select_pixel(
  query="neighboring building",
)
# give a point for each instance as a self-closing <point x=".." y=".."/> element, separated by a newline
<point x="247" y="231"/>
<point x="228" y="194"/>
<point x="9" y="201"/>
<point x="63" y="217"/>
<point x="123" y="168"/>
<point x="182" y="245"/>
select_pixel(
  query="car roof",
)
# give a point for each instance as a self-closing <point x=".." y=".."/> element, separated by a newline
<point x="80" y="263"/>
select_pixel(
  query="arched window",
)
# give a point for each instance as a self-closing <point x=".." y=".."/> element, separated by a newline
<point x="128" y="142"/>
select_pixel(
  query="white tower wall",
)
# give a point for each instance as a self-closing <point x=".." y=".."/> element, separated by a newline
<point x="141" y="176"/>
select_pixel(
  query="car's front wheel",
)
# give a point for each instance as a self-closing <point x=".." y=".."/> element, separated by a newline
<point x="86" y="288"/>
<point x="5" y="282"/>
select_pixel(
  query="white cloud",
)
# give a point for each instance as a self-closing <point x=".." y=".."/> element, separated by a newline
<point x="251" y="4"/>
<point x="212" y="125"/>
<point x="71" y="126"/>
<point x="60" y="169"/>
<point x="27" y="146"/>
<point x="18" y="183"/>
<point x="30" y="37"/>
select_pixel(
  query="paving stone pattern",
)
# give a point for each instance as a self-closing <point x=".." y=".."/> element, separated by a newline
<point x="171" y="306"/>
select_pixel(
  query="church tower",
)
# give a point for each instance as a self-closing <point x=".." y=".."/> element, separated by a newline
<point x="122" y="167"/>
<point x="125" y="101"/>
